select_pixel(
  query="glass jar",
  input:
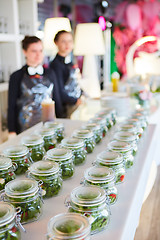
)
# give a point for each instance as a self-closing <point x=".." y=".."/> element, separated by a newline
<point x="142" y="118"/>
<point x="59" y="128"/>
<point x="49" y="173"/>
<point x="49" y="137"/>
<point x="102" y="123"/>
<point x="19" y="155"/>
<point x="142" y="111"/>
<point x="103" y="177"/>
<point x="129" y="137"/>
<point x="78" y="149"/>
<point x="88" y="138"/>
<point x="64" y="158"/>
<point x="137" y="123"/>
<point x="7" y="169"/>
<point x="67" y="226"/>
<point x="113" y="113"/>
<point x="125" y="149"/>
<point x="114" y="161"/>
<point x="9" y="221"/>
<point x="131" y="128"/>
<point x="97" y="131"/>
<point x="90" y="201"/>
<point x="35" y="145"/>
<point x="107" y="117"/>
<point x="25" y="194"/>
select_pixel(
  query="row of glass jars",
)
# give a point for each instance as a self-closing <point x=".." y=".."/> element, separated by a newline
<point x="63" y="157"/>
<point x="34" y="146"/>
<point x="88" y="202"/>
<point x="120" y="152"/>
<point x="92" y="200"/>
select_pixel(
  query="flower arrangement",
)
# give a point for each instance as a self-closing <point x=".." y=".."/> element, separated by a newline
<point x="143" y="96"/>
<point x="134" y="20"/>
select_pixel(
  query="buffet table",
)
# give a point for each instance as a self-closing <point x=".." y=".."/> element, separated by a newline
<point x="125" y="213"/>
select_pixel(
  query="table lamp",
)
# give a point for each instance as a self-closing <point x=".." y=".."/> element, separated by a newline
<point x="51" y="27"/>
<point x="88" y="43"/>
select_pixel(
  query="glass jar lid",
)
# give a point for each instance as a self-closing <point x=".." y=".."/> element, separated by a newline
<point x="133" y="121"/>
<point x="109" y="158"/>
<point x="46" y="131"/>
<point x="99" y="174"/>
<point x="142" y="111"/>
<point x="32" y="140"/>
<point x="56" y="125"/>
<point x="140" y="116"/>
<point x="59" y="154"/>
<point x="119" y="146"/>
<point x="5" y="163"/>
<point x="83" y="133"/>
<point x="92" y="126"/>
<point x="72" y="143"/>
<point x="98" y="120"/>
<point x="21" y="188"/>
<point x="88" y="196"/>
<point x="44" y="168"/>
<point x="16" y="151"/>
<point x="125" y="136"/>
<point x="128" y="127"/>
<point x="68" y="226"/>
<point x="7" y="213"/>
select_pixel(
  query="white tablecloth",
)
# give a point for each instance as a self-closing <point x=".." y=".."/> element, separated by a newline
<point x="125" y="213"/>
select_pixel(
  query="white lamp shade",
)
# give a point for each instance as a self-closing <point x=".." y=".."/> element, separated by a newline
<point x="88" y="40"/>
<point x="51" y="27"/>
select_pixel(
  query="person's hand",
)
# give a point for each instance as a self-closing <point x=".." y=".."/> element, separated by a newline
<point x="79" y="101"/>
<point x="12" y="135"/>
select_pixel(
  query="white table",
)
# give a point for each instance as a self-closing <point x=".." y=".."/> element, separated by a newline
<point x="125" y="213"/>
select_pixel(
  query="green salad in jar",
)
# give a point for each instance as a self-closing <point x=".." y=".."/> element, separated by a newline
<point x="88" y="138"/>
<point x="114" y="161"/>
<point x="49" y="137"/>
<point x="77" y="147"/>
<point x="59" y="129"/>
<point x="9" y="229"/>
<point x="64" y="157"/>
<point x="7" y="169"/>
<point x="68" y="226"/>
<point x="25" y="194"/>
<point x="20" y="156"/>
<point x="103" y="177"/>
<point x="90" y="201"/>
<point x="129" y="137"/>
<point x="125" y="148"/>
<point x="35" y="144"/>
<point x="102" y="123"/>
<point x="97" y="131"/>
<point x="49" y="173"/>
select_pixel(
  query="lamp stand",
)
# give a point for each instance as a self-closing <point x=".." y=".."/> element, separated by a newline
<point x="90" y="74"/>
